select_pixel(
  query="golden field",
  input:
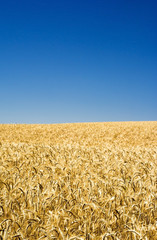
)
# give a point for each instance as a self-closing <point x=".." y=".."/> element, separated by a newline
<point x="89" y="181"/>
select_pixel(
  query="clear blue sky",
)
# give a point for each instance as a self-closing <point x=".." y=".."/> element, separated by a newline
<point x="78" y="61"/>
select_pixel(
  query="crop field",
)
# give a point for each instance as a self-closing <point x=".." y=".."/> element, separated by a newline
<point x="89" y="181"/>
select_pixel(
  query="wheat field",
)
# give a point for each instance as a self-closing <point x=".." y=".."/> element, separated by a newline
<point x="89" y="181"/>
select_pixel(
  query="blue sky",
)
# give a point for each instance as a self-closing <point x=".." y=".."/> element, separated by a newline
<point x="78" y="61"/>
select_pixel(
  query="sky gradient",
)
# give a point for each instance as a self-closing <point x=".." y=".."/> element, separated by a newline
<point x="78" y="61"/>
